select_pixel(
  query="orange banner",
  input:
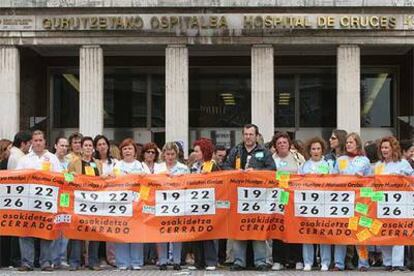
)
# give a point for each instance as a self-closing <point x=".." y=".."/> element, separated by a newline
<point x="28" y="204"/>
<point x="254" y="205"/>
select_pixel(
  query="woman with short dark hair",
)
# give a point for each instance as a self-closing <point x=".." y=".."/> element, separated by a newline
<point x="86" y="165"/>
<point x="129" y="255"/>
<point x="286" y="254"/>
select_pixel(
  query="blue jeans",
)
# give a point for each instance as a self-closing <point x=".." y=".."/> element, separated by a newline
<point x="340" y="254"/>
<point x="59" y="249"/>
<point x="163" y="252"/>
<point x="309" y="252"/>
<point x="393" y="255"/>
<point x="76" y="252"/>
<point x="28" y="252"/>
<point x="129" y="254"/>
<point x="259" y="252"/>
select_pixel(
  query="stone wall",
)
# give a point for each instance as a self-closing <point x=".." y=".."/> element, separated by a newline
<point x="204" y="3"/>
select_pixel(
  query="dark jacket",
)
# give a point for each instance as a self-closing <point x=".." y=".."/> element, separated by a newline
<point x="261" y="158"/>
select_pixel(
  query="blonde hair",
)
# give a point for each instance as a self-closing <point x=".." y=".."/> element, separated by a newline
<point x="170" y="146"/>
<point x="4" y="144"/>
<point x="115" y="152"/>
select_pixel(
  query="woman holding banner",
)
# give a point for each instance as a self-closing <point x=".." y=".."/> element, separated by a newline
<point x="285" y="254"/>
<point x="102" y="152"/>
<point x="337" y="143"/>
<point x="170" y="166"/>
<point x="149" y="157"/>
<point x="390" y="162"/>
<point x="353" y="163"/>
<point x="316" y="164"/>
<point x="90" y="166"/>
<point x="129" y="255"/>
<point x="205" y="252"/>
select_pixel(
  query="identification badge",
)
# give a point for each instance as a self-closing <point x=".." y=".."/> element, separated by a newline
<point x="207" y="166"/>
<point x="259" y="155"/>
<point x="379" y="169"/>
<point x="238" y="163"/>
<point x="283" y="164"/>
<point x="89" y="171"/>
<point x="323" y="169"/>
<point x="117" y="172"/>
<point x="46" y="166"/>
<point x="342" y="164"/>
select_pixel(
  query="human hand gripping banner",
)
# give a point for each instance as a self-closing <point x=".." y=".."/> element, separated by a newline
<point x="238" y="205"/>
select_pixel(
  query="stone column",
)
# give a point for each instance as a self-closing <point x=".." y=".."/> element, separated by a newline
<point x="348" y="88"/>
<point x="262" y="73"/>
<point x="176" y="95"/>
<point x="10" y="91"/>
<point x="91" y="90"/>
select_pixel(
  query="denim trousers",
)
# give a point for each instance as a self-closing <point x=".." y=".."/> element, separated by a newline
<point x="393" y="255"/>
<point x="309" y="254"/>
<point x="259" y="252"/>
<point x="28" y="252"/>
<point x="129" y="254"/>
<point x="76" y="253"/>
<point x="163" y="249"/>
<point x="59" y="248"/>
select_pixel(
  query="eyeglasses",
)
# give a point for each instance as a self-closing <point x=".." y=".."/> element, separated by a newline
<point x="333" y="138"/>
<point x="150" y="152"/>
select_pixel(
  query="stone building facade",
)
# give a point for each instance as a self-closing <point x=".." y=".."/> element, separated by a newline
<point x="177" y="70"/>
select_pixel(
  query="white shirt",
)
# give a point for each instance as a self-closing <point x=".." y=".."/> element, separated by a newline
<point x="147" y="169"/>
<point x="63" y="163"/>
<point x="179" y="168"/>
<point x="34" y="161"/>
<point x="108" y="169"/>
<point x="15" y="155"/>
<point x="129" y="167"/>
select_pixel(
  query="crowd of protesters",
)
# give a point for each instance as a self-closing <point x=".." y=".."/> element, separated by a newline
<point x="343" y="154"/>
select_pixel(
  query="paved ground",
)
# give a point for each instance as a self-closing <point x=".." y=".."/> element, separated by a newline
<point x="153" y="271"/>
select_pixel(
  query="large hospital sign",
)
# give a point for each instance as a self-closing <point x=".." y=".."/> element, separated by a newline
<point x="207" y="24"/>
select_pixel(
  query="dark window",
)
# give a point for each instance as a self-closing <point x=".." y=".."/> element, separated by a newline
<point x="158" y="100"/>
<point x="219" y="100"/>
<point x="65" y="100"/>
<point x="285" y="101"/>
<point x="125" y="100"/>
<point x="317" y="100"/>
<point x="376" y="100"/>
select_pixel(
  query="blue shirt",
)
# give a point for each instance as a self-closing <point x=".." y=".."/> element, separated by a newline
<point x="178" y="169"/>
<point x="352" y="166"/>
<point x="401" y="167"/>
<point x="315" y="167"/>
